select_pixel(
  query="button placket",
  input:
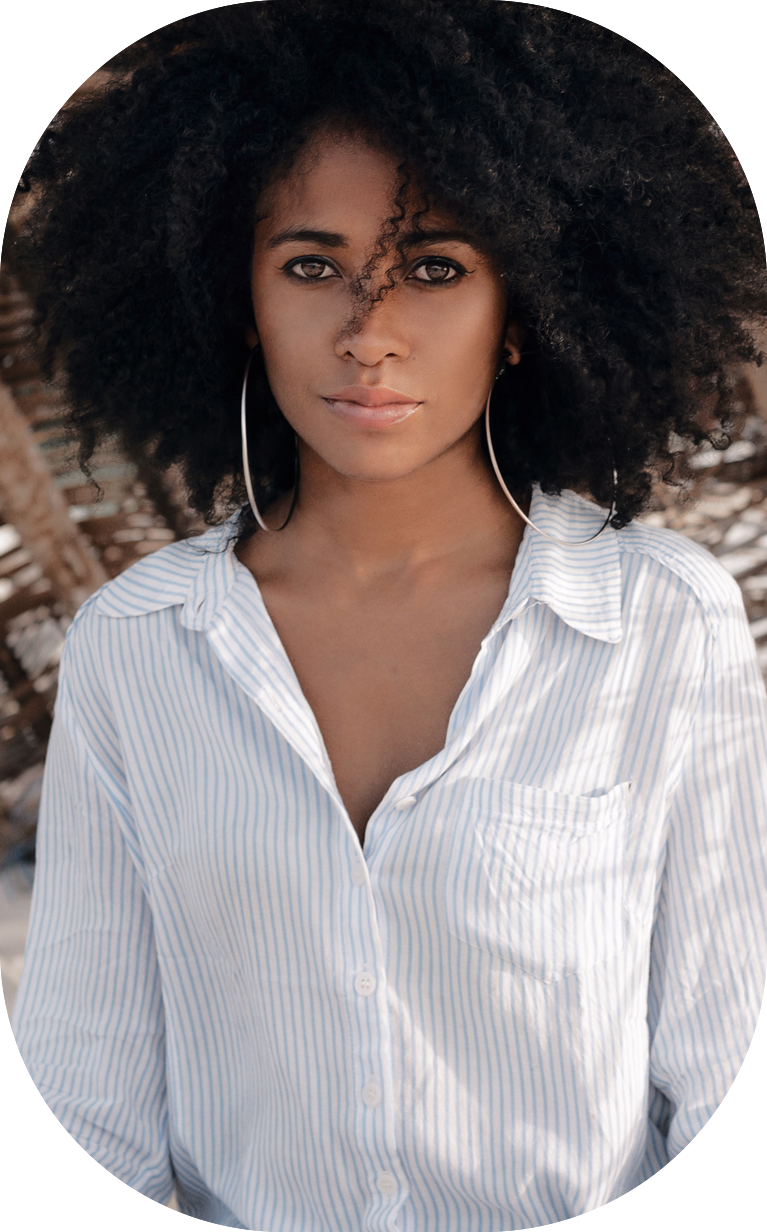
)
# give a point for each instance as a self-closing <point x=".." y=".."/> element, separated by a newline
<point x="373" y="1126"/>
<point x="364" y="977"/>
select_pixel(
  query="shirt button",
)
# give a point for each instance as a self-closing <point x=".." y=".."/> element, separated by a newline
<point x="371" y="1094"/>
<point x="365" y="983"/>
<point x="387" y="1184"/>
<point x="405" y="803"/>
<point x="358" y="874"/>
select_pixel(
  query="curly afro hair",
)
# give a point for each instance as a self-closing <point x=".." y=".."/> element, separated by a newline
<point x="603" y="190"/>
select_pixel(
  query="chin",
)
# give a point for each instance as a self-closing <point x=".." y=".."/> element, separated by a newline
<point x="379" y="462"/>
<point x="383" y="469"/>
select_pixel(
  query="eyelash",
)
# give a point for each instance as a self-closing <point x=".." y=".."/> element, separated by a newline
<point x="458" y="270"/>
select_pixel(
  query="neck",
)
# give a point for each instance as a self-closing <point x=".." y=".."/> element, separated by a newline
<point x="366" y="528"/>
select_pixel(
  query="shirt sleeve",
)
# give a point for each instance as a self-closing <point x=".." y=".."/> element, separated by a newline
<point x="709" y="947"/>
<point x="89" y="1017"/>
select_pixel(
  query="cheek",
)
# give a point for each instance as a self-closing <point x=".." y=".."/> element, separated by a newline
<point x="292" y="329"/>
<point x="464" y="336"/>
<point x="484" y="315"/>
<point x="282" y="329"/>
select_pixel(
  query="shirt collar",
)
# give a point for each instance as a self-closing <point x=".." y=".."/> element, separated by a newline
<point x="195" y="574"/>
<point x="581" y="584"/>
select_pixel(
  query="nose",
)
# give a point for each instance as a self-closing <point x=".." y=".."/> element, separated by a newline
<point x="375" y="334"/>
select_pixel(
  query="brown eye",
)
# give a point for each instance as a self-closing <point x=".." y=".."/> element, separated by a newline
<point x="312" y="269"/>
<point x="435" y="271"/>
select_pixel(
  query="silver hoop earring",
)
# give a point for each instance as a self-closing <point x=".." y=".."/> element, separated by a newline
<point x="563" y="543"/>
<point x="246" y="460"/>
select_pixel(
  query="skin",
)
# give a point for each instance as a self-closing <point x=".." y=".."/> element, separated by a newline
<point x="398" y="556"/>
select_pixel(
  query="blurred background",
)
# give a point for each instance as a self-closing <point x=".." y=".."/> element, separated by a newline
<point x="62" y="536"/>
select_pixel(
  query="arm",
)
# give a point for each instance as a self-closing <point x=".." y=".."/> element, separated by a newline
<point x="709" y="950"/>
<point x="89" y="1017"/>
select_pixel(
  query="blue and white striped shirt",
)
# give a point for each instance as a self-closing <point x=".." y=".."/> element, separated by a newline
<point x="532" y="987"/>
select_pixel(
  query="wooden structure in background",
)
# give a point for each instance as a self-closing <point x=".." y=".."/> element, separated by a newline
<point x="35" y="506"/>
<point x="60" y="539"/>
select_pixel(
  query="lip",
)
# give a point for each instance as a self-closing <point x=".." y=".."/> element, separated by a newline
<point x="372" y="405"/>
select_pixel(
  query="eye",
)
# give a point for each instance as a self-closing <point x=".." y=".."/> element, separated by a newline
<point x="310" y="269"/>
<point x="437" y="269"/>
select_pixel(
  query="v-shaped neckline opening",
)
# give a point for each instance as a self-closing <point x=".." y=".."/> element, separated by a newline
<point x="291" y="676"/>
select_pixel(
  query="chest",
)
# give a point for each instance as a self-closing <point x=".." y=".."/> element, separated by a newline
<point x="382" y="675"/>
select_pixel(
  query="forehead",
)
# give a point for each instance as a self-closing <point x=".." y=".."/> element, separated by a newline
<point x="340" y="182"/>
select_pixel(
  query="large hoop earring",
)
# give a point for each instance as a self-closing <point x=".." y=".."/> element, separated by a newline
<point x="563" y="543"/>
<point x="246" y="460"/>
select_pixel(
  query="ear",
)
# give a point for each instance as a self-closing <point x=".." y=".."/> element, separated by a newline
<point x="512" y="343"/>
<point x="251" y="337"/>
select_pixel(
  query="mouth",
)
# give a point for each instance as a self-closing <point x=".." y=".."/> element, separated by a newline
<point x="371" y="406"/>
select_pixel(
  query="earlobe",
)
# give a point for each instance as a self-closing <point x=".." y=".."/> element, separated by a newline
<point x="251" y="338"/>
<point x="512" y="344"/>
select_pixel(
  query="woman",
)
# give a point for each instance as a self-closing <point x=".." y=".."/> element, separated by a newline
<point x="402" y="857"/>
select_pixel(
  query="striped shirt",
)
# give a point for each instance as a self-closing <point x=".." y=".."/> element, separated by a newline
<point x="531" y="988"/>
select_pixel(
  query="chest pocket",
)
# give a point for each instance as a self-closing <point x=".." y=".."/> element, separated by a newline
<point x="536" y="877"/>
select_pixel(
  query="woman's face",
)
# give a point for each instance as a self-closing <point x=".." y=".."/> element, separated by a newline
<point x="377" y="390"/>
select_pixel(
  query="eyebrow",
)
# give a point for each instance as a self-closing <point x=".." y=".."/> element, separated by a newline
<point x="304" y="235"/>
<point x="425" y="236"/>
<point x="334" y="239"/>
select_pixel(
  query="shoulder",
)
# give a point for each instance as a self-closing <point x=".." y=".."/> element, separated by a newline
<point x="158" y="581"/>
<point x="712" y="588"/>
<point x="182" y="574"/>
<point x="616" y="580"/>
